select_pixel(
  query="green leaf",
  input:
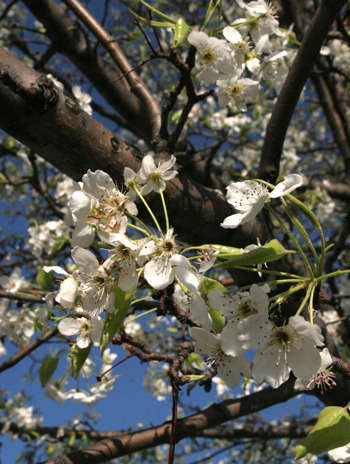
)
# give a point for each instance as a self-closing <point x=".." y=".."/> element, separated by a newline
<point x="305" y="210"/>
<point x="194" y="358"/>
<point x="47" y="369"/>
<point x="207" y="286"/>
<point x="78" y="357"/>
<point x="224" y="251"/>
<point x="58" y="245"/>
<point x="332" y="430"/>
<point x="269" y="252"/>
<point x="159" y="13"/>
<point x="71" y="439"/>
<point x="181" y="32"/>
<point x="45" y="279"/>
<point x="114" y="321"/>
<point x="151" y="23"/>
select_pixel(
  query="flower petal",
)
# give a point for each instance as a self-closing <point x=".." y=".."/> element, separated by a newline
<point x="290" y="183"/>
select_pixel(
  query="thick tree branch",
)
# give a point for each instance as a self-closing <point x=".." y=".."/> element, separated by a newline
<point x="53" y="125"/>
<point x="293" y="86"/>
<point x="189" y="426"/>
<point x="69" y="40"/>
<point x="265" y="431"/>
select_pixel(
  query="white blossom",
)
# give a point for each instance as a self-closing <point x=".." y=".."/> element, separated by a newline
<point x="239" y="92"/>
<point x="89" y="330"/>
<point x="229" y="368"/>
<point x="153" y="177"/>
<point x="249" y="197"/>
<point x="214" y="56"/>
<point x="84" y="99"/>
<point x="96" y="284"/>
<point x="291" y="347"/>
<point x="14" y="282"/>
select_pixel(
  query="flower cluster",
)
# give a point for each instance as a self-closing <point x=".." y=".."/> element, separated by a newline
<point x="245" y="50"/>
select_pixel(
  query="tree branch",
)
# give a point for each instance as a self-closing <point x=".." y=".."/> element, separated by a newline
<point x="189" y="426"/>
<point x="16" y="358"/>
<point x="53" y="125"/>
<point x="70" y="41"/>
<point x="136" y="84"/>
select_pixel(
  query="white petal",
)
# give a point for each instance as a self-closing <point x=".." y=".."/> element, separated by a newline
<point x="290" y="183"/>
<point x="57" y="269"/>
<point x="198" y="39"/>
<point x="83" y="235"/>
<point x="69" y="326"/>
<point x="231" y="34"/>
<point x="85" y="260"/>
<point x="68" y="293"/>
<point x="80" y="205"/>
<point x="185" y="272"/>
<point x="159" y="273"/>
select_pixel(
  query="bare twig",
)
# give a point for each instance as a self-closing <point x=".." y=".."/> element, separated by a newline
<point x="16" y="358"/>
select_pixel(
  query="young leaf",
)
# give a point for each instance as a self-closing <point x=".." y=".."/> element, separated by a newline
<point x="47" y="369"/>
<point x="332" y="430"/>
<point x="269" y="252"/>
<point x="181" y="32"/>
<point x="45" y="279"/>
<point x="114" y="321"/>
<point x="78" y="357"/>
<point x="207" y="286"/>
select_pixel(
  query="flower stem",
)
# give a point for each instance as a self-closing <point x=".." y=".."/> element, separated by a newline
<point x="148" y="209"/>
<point x="140" y="315"/>
<point x="310" y="265"/>
<point x="165" y="210"/>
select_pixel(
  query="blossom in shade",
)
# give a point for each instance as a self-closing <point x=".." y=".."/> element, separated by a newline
<point x="194" y="305"/>
<point x="324" y="379"/>
<point x="214" y="56"/>
<point x="229" y="368"/>
<point x="249" y="197"/>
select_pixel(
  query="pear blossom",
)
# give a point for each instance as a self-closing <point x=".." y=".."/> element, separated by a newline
<point x="207" y="260"/>
<point x="229" y="368"/>
<point x="237" y="91"/>
<point x="240" y="46"/>
<point x="124" y="255"/>
<point x="250" y="327"/>
<point x="249" y="197"/>
<point x="98" y="198"/>
<point x="324" y="378"/>
<point x="194" y="304"/>
<point x="153" y="177"/>
<point x="89" y="330"/>
<point x="84" y="99"/>
<point x="266" y="23"/>
<point x="97" y="291"/>
<point x="291" y="347"/>
<point x="14" y="282"/>
<point x="214" y="56"/>
<point x="166" y="263"/>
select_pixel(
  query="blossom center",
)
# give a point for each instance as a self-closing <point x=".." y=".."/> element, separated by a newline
<point x="208" y="56"/>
